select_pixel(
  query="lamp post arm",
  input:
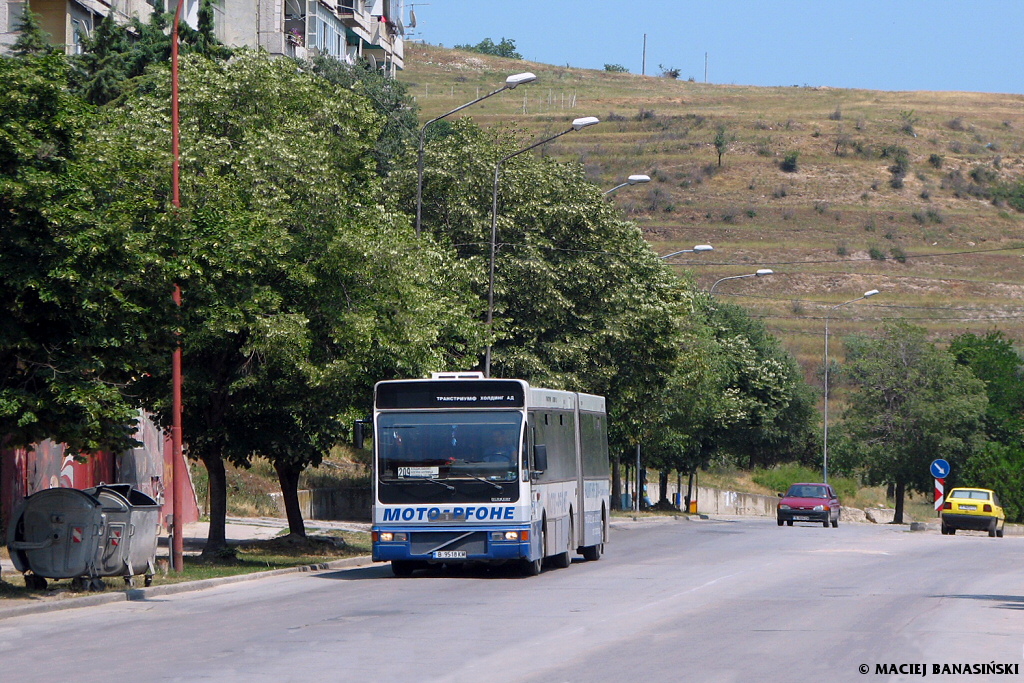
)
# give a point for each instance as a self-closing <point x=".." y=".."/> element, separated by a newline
<point x="620" y="185"/>
<point x="731" y="277"/>
<point x="419" y="152"/>
<point x="494" y="240"/>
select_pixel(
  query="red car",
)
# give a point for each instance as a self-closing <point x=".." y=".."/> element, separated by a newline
<point x="809" y="503"/>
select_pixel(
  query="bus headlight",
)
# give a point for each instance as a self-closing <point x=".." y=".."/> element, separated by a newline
<point x="510" y="535"/>
<point x="390" y="536"/>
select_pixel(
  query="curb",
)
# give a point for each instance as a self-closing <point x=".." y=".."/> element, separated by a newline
<point x="142" y="594"/>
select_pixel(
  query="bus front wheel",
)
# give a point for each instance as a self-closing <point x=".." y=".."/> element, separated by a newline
<point x="402" y="568"/>
<point x="533" y="567"/>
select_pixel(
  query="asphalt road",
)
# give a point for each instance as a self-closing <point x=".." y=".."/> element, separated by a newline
<point x="715" y="600"/>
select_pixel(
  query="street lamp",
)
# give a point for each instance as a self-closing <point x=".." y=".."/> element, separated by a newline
<point x="760" y="273"/>
<point x="824" y="458"/>
<point x="631" y="180"/>
<point x="696" y="250"/>
<point x="510" y="83"/>
<point x="577" y="124"/>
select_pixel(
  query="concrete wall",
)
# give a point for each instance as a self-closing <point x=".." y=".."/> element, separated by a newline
<point x="718" y="502"/>
<point x="350" y="504"/>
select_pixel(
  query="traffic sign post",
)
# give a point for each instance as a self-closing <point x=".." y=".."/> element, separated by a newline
<point x="940" y="470"/>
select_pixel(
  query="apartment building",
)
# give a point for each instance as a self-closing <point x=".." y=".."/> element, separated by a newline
<point x="346" y="29"/>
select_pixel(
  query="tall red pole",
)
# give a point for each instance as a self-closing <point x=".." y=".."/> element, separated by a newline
<point x="177" y="460"/>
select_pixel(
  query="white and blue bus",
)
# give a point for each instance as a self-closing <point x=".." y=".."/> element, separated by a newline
<point x="472" y="469"/>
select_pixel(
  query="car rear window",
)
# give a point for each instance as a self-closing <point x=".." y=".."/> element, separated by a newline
<point x="969" y="493"/>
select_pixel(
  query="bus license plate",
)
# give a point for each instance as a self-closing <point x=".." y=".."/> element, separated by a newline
<point x="449" y="554"/>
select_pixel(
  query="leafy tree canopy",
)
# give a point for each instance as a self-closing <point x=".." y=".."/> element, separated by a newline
<point x="73" y="331"/>
<point x="506" y="48"/>
<point x="301" y="287"/>
<point x="913" y="404"/>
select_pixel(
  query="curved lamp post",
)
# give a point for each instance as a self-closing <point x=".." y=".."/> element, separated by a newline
<point x="631" y="180"/>
<point x="824" y="454"/>
<point x="577" y="124"/>
<point x="760" y="273"/>
<point x="510" y="83"/>
<point x="696" y="250"/>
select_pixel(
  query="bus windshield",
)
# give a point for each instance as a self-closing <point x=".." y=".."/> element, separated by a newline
<point x="474" y="445"/>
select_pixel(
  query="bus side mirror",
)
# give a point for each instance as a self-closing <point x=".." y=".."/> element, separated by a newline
<point x="359" y="430"/>
<point x="540" y="457"/>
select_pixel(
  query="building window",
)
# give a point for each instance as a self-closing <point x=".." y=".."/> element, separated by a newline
<point x="15" y="11"/>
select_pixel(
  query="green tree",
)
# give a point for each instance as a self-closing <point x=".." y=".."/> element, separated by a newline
<point x="32" y="40"/>
<point x="73" y="291"/>
<point x="389" y="98"/>
<point x="722" y="142"/>
<point x="117" y="53"/>
<point x="992" y="359"/>
<point x="581" y="301"/>
<point x="301" y="288"/>
<point x="506" y="48"/>
<point x="1000" y="467"/>
<point x="912" y="404"/>
<point x="775" y="421"/>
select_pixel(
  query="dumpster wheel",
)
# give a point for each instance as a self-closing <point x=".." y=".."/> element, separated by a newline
<point x="34" y="582"/>
<point x="97" y="584"/>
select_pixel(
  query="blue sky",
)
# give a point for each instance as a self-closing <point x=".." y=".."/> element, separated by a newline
<point x="967" y="45"/>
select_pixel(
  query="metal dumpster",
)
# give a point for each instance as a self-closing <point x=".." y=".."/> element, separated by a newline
<point x="57" y="534"/>
<point x="133" y="526"/>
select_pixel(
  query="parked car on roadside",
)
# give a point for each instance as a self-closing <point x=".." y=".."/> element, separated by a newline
<point x="804" y="502"/>
<point x="972" y="509"/>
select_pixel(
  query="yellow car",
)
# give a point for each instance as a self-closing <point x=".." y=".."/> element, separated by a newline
<point x="974" y="509"/>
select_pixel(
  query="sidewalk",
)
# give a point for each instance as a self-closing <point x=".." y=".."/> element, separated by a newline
<point x="241" y="529"/>
<point x="237" y="530"/>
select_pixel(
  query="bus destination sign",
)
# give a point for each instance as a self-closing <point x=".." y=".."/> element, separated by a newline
<point x="451" y="394"/>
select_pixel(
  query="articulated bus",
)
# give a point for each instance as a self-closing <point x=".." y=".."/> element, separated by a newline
<point x="472" y="469"/>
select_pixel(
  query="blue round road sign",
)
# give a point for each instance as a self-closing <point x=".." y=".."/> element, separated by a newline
<point x="940" y="469"/>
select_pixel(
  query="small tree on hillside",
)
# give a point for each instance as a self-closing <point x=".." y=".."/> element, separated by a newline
<point x="506" y="48"/>
<point x="722" y="142"/>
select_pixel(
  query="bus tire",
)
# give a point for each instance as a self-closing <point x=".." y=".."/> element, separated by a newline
<point x="563" y="559"/>
<point x="533" y="567"/>
<point x="592" y="553"/>
<point x="402" y="568"/>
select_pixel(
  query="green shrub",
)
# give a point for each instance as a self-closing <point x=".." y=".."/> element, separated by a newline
<point x="790" y="162"/>
<point x="782" y="477"/>
<point x="876" y="254"/>
<point x="616" y="68"/>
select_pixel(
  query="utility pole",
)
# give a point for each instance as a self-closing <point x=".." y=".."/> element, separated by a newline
<point x="643" y="61"/>
<point x="705" y="67"/>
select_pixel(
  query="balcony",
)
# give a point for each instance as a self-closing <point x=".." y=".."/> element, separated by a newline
<point x="353" y="14"/>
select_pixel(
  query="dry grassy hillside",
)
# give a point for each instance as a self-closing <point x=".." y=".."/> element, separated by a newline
<point x="838" y="225"/>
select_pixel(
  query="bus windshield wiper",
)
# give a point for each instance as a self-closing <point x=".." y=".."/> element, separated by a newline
<point x="486" y="481"/>
<point x="438" y="482"/>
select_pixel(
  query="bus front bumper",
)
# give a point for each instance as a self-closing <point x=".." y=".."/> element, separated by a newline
<point x="452" y="544"/>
